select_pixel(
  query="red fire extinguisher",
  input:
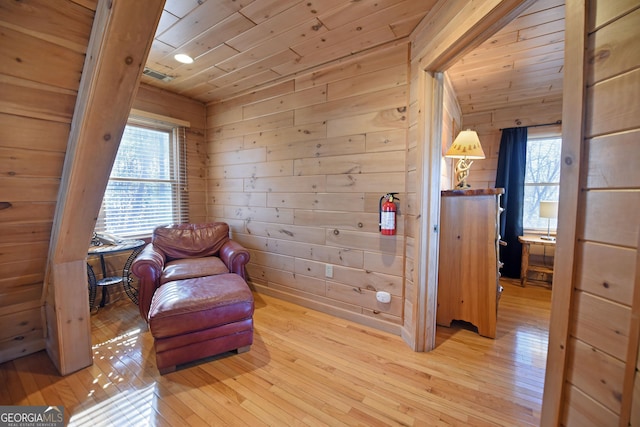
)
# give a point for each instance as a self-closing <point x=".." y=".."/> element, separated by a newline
<point x="388" y="214"/>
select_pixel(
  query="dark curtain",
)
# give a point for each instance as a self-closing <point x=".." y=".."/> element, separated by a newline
<point x="512" y="160"/>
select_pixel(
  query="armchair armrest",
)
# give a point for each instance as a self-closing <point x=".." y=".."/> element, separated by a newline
<point x="235" y="257"/>
<point x="147" y="267"/>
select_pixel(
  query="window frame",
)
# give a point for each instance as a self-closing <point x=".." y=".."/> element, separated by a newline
<point x="532" y="139"/>
<point x="177" y="180"/>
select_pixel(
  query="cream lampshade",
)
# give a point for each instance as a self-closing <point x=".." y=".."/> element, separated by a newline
<point x="549" y="210"/>
<point x="466" y="146"/>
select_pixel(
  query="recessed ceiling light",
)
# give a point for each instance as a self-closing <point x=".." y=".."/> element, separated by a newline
<point x="185" y="59"/>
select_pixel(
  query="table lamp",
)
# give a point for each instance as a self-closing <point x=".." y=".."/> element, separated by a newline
<point x="466" y="146"/>
<point x="548" y="209"/>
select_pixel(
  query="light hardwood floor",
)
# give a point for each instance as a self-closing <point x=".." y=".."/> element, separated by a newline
<point x="305" y="368"/>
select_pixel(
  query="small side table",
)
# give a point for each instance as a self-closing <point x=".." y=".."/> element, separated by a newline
<point x="135" y="246"/>
<point x="527" y="241"/>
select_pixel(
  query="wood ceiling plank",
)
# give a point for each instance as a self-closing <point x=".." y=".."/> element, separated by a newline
<point x="198" y="20"/>
<point x="260" y="11"/>
<point x="215" y="36"/>
<point x="524" y="111"/>
<point x="510" y="79"/>
<point x="521" y="49"/>
<point x="273" y="45"/>
<point x="158" y="51"/>
<point x="344" y="14"/>
<point x="536" y="105"/>
<point x="180" y="8"/>
<point x="196" y="91"/>
<point x="201" y="71"/>
<point x="532" y="19"/>
<point x="552" y="27"/>
<point x="525" y="91"/>
<point x="166" y="21"/>
<point x="523" y="62"/>
<point x="405" y="27"/>
<point x="356" y="27"/>
<point x="542" y="5"/>
<point x="195" y="83"/>
<point x="281" y="23"/>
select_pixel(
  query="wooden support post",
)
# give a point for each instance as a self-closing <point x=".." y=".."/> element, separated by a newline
<point x="570" y="185"/>
<point x="120" y="42"/>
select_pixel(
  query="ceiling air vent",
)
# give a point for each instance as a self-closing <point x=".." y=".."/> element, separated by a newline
<point x="156" y="75"/>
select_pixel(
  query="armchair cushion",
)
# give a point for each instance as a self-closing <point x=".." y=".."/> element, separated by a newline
<point x="190" y="240"/>
<point x="192" y="267"/>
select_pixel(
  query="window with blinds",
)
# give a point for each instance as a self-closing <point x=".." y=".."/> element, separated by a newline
<point x="542" y="180"/>
<point x="147" y="185"/>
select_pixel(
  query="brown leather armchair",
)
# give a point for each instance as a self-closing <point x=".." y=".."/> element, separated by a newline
<point x="193" y="294"/>
<point x="183" y="251"/>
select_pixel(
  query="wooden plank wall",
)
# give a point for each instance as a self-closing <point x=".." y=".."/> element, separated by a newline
<point x="40" y="65"/>
<point x="602" y="367"/>
<point x="297" y="170"/>
<point x="451" y="126"/>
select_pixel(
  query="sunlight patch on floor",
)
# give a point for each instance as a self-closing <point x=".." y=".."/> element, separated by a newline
<point x="130" y="407"/>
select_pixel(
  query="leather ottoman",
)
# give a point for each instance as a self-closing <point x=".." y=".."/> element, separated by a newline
<point x="195" y="318"/>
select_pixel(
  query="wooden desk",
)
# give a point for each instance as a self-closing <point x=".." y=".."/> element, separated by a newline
<point x="527" y="241"/>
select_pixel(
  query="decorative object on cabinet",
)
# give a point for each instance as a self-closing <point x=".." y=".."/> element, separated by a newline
<point x="468" y="274"/>
<point x="465" y="146"/>
<point x="549" y="210"/>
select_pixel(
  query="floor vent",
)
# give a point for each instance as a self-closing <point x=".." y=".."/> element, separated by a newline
<point x="156" y="75"/>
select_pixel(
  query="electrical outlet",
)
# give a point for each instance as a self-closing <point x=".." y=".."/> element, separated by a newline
<point x="328" y="270"/>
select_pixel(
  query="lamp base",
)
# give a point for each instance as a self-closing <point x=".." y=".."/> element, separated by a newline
<point x="462" y="172"/>
<point x="550" y="238"/>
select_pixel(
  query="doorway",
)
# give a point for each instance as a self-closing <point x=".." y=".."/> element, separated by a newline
<point x="527" y="26"/>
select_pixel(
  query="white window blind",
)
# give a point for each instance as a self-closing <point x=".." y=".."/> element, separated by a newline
<point x="147" y="185"/>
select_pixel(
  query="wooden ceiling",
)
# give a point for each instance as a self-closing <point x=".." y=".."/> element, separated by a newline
<point x="520" y="65"/>
<point x="239" y="45"/>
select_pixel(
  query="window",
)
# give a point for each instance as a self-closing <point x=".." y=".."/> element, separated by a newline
<point x="147" y="186"/>
<point x="542" y="180"/>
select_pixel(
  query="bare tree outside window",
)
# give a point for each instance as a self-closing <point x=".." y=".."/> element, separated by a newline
<point x="542" y="180"/>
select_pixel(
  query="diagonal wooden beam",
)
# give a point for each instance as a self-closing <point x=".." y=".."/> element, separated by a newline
<point x="120" y="42"/>
<point x="455" y="27"/>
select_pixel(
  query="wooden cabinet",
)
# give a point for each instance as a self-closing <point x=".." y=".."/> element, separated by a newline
<point x="468" y="276"/>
